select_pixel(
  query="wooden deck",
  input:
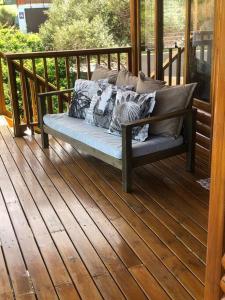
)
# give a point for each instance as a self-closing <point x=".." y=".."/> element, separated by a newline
<point x="67" y="231"/>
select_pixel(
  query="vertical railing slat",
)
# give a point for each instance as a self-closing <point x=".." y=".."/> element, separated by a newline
<point x="50" y="106"/>
<point x="98" y="59"/>
<point x="24" y="94"/>
<point x="67" y="65"/>
<point x="178" y="66"/>
<point x="2" y="95"/>
<point x="35" y="93"/>
<point x="78" y="67"/>
<point x="109" y="61"/>
<point x="14" y="99"/>
<point x="170" y="66"/>
<point x="118" y="62"/>
<point x="60" y="102"/>
<point x="88" y="67"/>
<point x="149" y="62"/>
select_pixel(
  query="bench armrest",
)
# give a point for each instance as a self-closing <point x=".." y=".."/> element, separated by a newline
<point x="42" y="108"/>
<point x="190" y="120"/>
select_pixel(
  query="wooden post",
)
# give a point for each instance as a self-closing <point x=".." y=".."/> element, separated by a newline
<point x="216" y="234"/>
<point x="2" y="96"/>
<point x="187" y="42"/>
<point x="134" y="34"/>
<point x="14" y="99"/>
<point x="159" y="74"/>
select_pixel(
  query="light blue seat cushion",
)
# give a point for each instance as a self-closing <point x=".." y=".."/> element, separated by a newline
<point x="99" y="139"/>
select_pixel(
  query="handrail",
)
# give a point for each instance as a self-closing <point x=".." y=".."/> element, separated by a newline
<point x="67" y="53"/>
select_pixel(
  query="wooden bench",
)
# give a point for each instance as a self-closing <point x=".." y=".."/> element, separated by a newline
<point x="128" y="161"/>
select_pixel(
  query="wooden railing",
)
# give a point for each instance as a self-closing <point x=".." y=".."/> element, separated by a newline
<point x="32" y="73"/>
<point x="172" y="65"/>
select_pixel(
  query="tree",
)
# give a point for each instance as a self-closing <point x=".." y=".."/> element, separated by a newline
<point x="7" y="17"/>
<point x="76" y="24"/>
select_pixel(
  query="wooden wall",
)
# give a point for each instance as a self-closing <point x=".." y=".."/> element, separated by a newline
<point x="204" y="125"/>
<point x="216" y="237"/>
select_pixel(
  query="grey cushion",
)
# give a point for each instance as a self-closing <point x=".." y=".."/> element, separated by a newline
<point x="148" y="85"/>
<point x="104" y="73"/>
<point x="130" y="106"/>
<point x="126" y="78"/>
<point x="99" y="139"/>
<point x="167" y="101"/>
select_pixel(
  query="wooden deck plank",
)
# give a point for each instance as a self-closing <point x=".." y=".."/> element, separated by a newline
<point x="88" y="238"/>
<point x="6" y="291"/>
<point x="14" y="259"/>
<point x="152" y="240"/>
<point x="176" y="288"/>
<point x="53" y="259"/>
<point x="101" y="245"/>
<point x="55" y="265"/>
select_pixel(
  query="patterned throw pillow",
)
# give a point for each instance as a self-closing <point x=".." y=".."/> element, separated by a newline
<point x="131" y="106"/>
<point x="102" y="105"/>
<point x="84" y="90"/>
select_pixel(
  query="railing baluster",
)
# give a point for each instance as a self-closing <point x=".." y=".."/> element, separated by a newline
<point x="68" y="75"/>
<point x="36" y="91"/>
<point x="50" y="107"/>
<point x="149" y="62"/>
<point x="118" y="61"/>
<point x="14" y="99"/>
<point x="88" y="67"/>
<point x="109" y="61"/>
<point x="78" y="67"/>
<point x="178" y="67"/>
<point x="170" y="66"/>
<point x="99" y="59"/>
<point x="129" y="60"/>
<point x="2" y="95"/>
<point x="24" y="94"/>
<point x="60" y="102"/>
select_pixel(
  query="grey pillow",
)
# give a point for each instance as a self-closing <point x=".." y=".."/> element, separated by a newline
<point x="148" y="85"/>
<point x="104" y="73"/>
<point x="82" y="95"/>
<point x="131" y="106"/>
<point x="170" y="100"/>
<point x="126" y="78"/>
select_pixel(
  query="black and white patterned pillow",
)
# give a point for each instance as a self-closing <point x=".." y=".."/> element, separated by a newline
<point x="84" y="90"/>
<point x="102" y="105"/>
<point x="130" y="106"/>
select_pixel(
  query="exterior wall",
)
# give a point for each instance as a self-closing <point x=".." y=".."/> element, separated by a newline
<point x="22" y="15"/>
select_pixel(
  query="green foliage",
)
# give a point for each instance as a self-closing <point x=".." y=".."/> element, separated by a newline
<point x="76" y="24"/>
<point x="12" y="40"/>
<point x="7" y="17"/>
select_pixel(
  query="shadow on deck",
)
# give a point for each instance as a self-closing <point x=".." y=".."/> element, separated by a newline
<point x="67" y="231"/>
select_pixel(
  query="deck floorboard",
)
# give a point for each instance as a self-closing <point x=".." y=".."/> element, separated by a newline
<point x="67" y="230"/>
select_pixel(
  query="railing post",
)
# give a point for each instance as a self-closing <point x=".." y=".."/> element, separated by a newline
<point x="2" y="96"/>
<point x="134" y="34"/>
<point x="159" y="73"/>
<point x="187" y="41"/>
<point x="14" y="99"/>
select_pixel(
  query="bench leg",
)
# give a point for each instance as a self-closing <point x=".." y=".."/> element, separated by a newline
<point x="190" y="164"/>
<point x="127" y="177"/>
<point x="44" y="140"/>
<point x="191" y="134"/>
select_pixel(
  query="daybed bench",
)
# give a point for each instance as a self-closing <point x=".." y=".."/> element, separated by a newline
<point x="123" y="153"/>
